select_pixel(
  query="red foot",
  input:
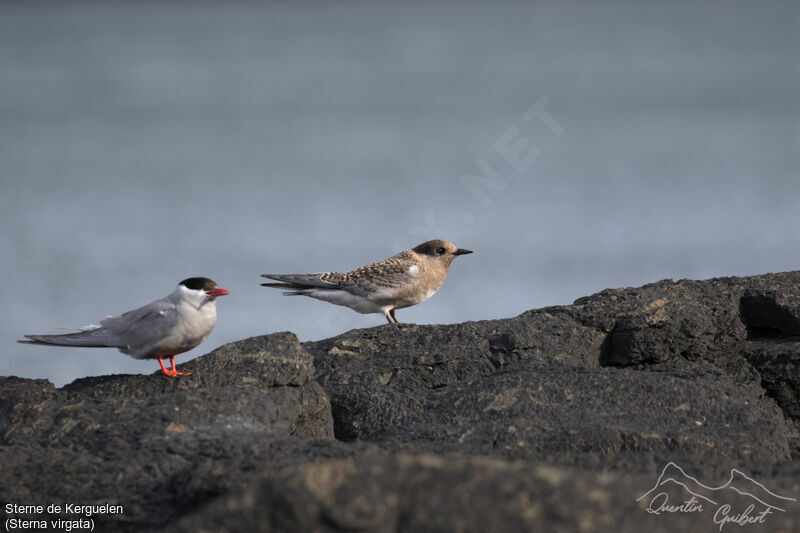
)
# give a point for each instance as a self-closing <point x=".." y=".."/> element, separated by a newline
<point x="171" y="372"/>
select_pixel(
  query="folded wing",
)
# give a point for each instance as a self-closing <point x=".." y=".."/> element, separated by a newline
<point x="134" y="332"/>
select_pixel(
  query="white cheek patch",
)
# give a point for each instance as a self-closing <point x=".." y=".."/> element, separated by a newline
<point x="413" y="270"/>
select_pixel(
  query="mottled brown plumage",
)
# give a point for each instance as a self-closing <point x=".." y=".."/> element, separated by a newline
<point x="403" y="280"/>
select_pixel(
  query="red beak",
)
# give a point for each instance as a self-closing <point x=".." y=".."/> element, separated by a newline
<point x="219" y="291"/>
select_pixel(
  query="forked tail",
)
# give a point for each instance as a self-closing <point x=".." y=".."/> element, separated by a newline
<point x="87" y="339"/>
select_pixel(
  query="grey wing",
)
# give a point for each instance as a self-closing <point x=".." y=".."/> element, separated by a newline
<point x="141" y="327"/>
<point x="130" y="332"/>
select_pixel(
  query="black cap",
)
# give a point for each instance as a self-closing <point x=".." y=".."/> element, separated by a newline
<point x="199" y="284"/>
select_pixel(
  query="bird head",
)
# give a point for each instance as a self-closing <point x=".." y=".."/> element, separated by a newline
<point x="440" y="250"/>
<point x="201" y="288"/>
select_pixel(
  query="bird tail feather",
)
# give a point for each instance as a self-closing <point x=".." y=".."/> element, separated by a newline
<point x="86" y="339"/>
<point x="292" y="289"/>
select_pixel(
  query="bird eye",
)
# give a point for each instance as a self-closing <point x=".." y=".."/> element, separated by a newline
<point x="440" y="251"/>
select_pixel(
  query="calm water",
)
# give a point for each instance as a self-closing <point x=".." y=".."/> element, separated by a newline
<point x="142" y="145"/>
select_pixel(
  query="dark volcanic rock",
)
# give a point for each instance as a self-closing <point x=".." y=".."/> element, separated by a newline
<point x="778" y="362"/>
<point x="533" y="386"/>
<point x="558" y="419"/>
<point x="396" y="493"/>
<point x="153" y="444"/>
<point x="257" y="385"/>
<point x="770" y="306"/>
<point x="556" y="409"/>
<point x="417" y="493"/>
<point x="666" y="320"/>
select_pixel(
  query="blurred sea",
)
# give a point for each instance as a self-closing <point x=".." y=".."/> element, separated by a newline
<point x="144" y="143"/>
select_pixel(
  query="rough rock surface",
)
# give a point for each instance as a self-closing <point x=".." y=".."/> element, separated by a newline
<point x="558" y="419"/>
<point x="158" y="446"/>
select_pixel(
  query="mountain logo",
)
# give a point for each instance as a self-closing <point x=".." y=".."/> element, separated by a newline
<point x="741" y="500"/>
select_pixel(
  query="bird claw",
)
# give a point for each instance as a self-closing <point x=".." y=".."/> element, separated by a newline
<point x="171" y="372"/>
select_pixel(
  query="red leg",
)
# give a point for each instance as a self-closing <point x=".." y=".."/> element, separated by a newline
<point x="394" y="317"/>
<point x="175" y="372"/>
<point x="387" y="317"/>
<point x="170" y="372"/>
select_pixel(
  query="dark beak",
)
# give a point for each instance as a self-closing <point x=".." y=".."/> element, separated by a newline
<point x="462" y="251"/>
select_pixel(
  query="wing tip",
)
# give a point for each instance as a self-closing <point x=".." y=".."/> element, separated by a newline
<point x="290" y="289"/>
<point x="69" y="340"/>
<point x="33" y="339"/>
<point x="277" y="285"/>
